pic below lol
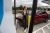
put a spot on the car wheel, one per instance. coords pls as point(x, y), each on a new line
point(45, 20)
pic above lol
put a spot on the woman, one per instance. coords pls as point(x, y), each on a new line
point(25, 13)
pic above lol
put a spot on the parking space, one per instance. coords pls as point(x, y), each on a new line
point(39, 28)
point(45, 28)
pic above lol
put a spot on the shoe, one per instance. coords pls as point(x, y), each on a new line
point(25, 30)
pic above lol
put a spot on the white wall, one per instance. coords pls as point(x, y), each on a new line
point(7, 25)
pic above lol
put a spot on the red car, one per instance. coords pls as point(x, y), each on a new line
point(41, 17)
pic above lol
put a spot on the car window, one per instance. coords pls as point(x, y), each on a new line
point(38, 13)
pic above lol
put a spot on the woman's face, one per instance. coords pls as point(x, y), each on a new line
point(25, 8)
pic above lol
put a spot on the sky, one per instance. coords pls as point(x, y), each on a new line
point(28, 3)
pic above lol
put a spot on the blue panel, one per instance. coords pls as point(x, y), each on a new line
point(1, 11)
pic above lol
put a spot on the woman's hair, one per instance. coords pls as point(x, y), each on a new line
point(24, 7)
